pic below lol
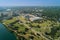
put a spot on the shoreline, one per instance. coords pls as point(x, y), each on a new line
point(9, 29)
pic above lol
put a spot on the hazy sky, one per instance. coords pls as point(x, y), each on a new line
point(29, 2)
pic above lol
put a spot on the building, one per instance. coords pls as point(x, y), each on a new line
point(0, 14)
point(32, 17)
point(35, 18)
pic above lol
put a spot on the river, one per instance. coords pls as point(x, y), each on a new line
point(5, 34)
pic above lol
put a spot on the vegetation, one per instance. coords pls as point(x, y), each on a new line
point(46, 29)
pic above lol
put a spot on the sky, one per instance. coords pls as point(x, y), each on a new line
point(29, 2)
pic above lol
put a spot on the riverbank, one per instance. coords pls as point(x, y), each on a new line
point(10, 30)
point(5, 34)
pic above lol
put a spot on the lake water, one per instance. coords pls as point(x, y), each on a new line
point(5, 34)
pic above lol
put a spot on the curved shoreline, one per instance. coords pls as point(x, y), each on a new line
point(9, 29)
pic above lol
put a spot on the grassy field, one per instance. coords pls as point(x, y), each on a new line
point(26, 30)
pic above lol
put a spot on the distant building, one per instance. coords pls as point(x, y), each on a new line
point(32, 17)
point(0, 14)
point(35, 18)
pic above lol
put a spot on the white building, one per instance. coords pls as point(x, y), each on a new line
point(32, 17)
